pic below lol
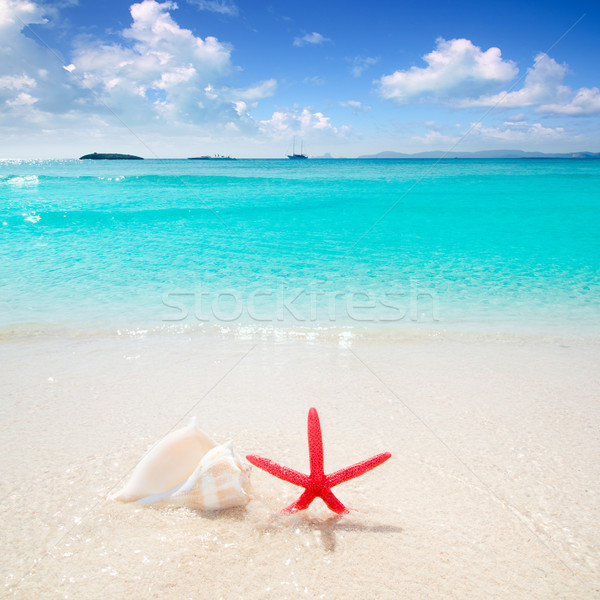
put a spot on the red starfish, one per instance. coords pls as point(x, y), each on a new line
point(317, 483)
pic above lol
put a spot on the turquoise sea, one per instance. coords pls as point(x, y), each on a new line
point(387, 245)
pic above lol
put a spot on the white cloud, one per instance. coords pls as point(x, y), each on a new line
point(242, 99)
point(223, 7)
point(585, 102)
point(355, 105)
point(360, 64)
point(241, 108)
point(518, 117)
point(457, 70)
point(158, 70)
point(543, 83)
point(455, 67)
point(544, 90)
point(508, 134)
point(261, 90)
point(13, 13)
point(28, 68)
point(164, 68)
point(517, 132)
point(17, 82)
point(161, 80)
point(22, 99)
point(286, 123)
point(310, 38)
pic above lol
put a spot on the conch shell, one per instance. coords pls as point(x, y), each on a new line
point(220, 481)
point(186, 469)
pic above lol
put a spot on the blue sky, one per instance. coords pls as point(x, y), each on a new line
point(243, 77)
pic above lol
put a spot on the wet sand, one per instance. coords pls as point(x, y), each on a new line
point(491, 492)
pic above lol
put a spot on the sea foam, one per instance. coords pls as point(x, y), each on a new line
point(21, 181)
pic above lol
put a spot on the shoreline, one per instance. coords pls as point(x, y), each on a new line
point(342, 333)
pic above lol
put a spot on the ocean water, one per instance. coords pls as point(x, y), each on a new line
point(309, 246)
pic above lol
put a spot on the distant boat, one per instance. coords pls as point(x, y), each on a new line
point(295, 156)
point(215, 157)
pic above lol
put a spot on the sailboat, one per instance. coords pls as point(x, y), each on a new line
point(295, 156)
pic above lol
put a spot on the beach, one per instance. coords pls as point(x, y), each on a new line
point(491, 491)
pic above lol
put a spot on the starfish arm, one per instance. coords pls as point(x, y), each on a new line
point(277, 470)
point(315, 444)
point(303, 502)
point(356, 470)
point(333, 503)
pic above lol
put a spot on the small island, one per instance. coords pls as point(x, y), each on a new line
point(101, 156)
point(215, 157)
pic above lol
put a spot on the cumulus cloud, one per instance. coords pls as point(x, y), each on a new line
point(455, 67)
point(17, 82)
point(242, 99)
point(313, 38)
point(161, 80)
point(543, 83)
point(544, 90)
point(158, 70)
point(164, 68)
point(22, 99)
point(585, 102)
point(28, 72)
point(458, 71)
point(14, 14)
point(223, 7)
point(155, 76)
point(285, 123)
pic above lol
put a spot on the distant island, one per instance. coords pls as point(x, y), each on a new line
point(482, 154)
point(101, 156)
point(215, 157)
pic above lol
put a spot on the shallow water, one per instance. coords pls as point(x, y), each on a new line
point(501, 245)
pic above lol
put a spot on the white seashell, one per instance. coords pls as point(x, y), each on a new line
point(219, 481)
point(169, 463)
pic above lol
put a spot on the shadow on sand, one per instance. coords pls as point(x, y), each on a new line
point(327, 528)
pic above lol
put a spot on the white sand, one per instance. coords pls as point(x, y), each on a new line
point(492, 490)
